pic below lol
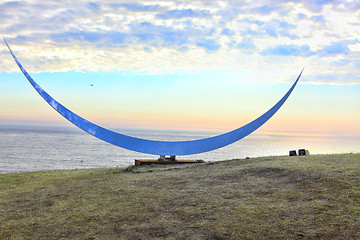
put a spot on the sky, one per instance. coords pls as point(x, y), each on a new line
point(206, 65)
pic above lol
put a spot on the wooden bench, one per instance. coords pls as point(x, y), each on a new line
point(139, 162)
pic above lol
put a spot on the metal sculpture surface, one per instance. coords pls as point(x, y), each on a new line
point(152, 146)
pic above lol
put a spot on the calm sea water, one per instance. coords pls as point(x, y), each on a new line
point(25, 148)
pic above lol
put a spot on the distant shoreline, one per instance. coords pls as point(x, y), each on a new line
point(91, 168)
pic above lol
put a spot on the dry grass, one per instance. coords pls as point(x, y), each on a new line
point(312, 197)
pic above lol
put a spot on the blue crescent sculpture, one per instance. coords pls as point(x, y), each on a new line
point(151, 146)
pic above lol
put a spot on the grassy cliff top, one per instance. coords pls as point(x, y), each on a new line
point(307, 197)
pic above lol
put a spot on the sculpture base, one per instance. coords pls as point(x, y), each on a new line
point(140, 162)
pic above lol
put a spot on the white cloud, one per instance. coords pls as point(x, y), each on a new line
point(163, 36)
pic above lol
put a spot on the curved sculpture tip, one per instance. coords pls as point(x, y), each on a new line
point(151, 146)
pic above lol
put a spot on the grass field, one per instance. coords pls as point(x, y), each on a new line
point(307, 197)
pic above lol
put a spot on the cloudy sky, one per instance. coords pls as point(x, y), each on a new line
point(184, 64)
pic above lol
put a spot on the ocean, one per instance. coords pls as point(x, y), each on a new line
point(35, 148)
